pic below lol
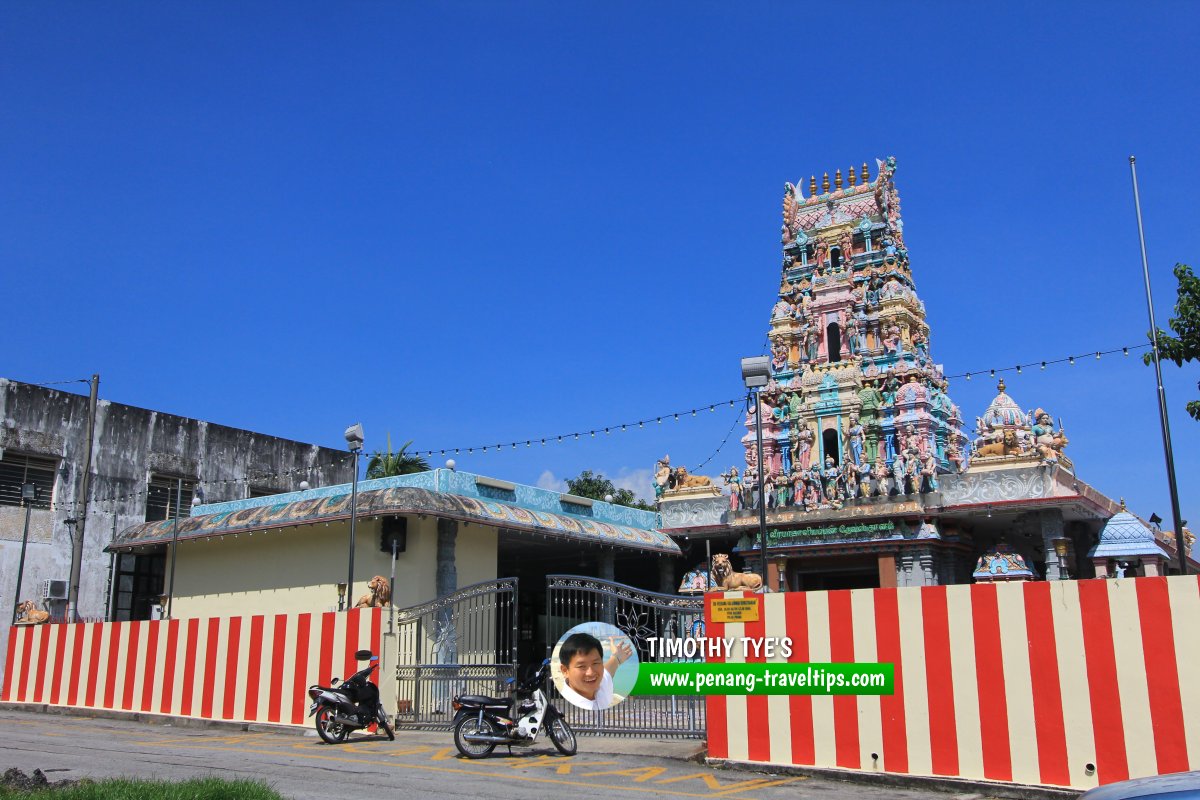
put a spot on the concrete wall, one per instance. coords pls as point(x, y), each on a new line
point(297, 569)
point(1059, 683)
point(129, 445)
point(248, 669)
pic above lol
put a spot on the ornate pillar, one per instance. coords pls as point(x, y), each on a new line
point(1051, 523)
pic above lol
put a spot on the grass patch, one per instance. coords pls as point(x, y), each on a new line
point(132, 789)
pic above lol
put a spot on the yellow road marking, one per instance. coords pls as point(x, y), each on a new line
point(561, 768)
point(760, 783)
point(441, 755)
point(726, 791)
point(644, 773)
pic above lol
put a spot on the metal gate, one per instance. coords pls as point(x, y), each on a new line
point(463, 643)
point(572, 600)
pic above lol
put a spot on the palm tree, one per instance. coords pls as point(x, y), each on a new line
point(385, 465)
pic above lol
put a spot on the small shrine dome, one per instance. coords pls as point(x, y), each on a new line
point(1123, 536)
point(1005, 411)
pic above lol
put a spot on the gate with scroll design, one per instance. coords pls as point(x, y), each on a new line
point(572, 600)
point(464, 643)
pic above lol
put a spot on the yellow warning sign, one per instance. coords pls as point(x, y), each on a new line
point(739, 610)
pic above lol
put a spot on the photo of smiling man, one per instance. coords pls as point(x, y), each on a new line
point(589, 671)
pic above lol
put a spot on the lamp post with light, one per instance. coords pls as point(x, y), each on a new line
point(354, 439)
point(28, 495)
point(756, 373)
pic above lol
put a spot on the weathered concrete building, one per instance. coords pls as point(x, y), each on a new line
point(140, 461)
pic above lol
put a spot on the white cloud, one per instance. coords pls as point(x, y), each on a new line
point(547, 481)
point(638, 481)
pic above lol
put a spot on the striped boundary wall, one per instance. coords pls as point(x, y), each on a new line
point(1060, 683)
point(247, 669)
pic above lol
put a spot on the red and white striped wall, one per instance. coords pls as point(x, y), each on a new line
point(248, 669)
point(1060, 683)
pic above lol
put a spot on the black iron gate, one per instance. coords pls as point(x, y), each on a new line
point(463, 643)
point(572, 600)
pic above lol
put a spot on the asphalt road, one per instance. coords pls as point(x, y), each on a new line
point(421, 764)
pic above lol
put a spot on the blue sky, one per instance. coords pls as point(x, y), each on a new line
point(473, 223)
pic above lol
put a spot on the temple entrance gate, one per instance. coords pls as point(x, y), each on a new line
point(572, 600)
point(464, 643)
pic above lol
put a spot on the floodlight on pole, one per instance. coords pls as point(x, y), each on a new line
point(756, 373)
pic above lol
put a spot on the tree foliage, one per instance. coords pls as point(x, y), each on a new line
point(386, 465)
point(596, 486)
point(1185, 345)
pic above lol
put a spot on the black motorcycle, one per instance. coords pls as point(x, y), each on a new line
point(481, 722)
point(352, 705)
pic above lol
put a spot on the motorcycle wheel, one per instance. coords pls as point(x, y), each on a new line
point(562, 736)
point(470, 726)
point(332, 732)
point(381, 717)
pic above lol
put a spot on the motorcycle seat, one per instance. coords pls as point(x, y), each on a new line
point(485, 701)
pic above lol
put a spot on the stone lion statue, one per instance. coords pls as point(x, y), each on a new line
point(685, 481)
point(30, 614)
point(1008, 446)
point(380, 594)
point(728, 580)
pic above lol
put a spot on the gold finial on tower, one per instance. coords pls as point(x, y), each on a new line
point(1001, 385)
point(865, 179)
point(1123, 504)
point(853, 179)
point(837, 179)
point(812, 185)
point(825, 183)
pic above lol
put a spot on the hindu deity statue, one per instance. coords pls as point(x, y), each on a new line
point(735, 488)
point(856, 436)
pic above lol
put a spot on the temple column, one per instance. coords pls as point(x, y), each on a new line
point(446, 580)
point(1051, 523)
point(916, 568)
point(887, 571)
point(666, 576)
point(607, 564)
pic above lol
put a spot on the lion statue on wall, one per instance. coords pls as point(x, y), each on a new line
point(379, 596)
point(727, 580)
point(30, 614)
point(1008, 446)
point(685, 481)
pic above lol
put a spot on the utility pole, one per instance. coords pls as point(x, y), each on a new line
point(81, 503)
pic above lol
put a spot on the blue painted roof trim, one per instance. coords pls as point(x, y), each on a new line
point(461, 483)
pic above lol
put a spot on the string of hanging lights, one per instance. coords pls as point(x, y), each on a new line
point(607, 430)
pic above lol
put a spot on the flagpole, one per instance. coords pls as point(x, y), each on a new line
point(1180, 544)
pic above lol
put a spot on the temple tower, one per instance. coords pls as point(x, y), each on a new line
point(854, 384)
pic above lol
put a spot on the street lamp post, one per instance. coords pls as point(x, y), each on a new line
point(756, 373)
point(354, 439)
point(1164, 424)
point(28, 495)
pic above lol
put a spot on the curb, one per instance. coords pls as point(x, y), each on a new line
point(147, 718)
point(1015, 791)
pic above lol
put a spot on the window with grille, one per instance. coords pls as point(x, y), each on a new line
point(161, 502)
point(17, 470)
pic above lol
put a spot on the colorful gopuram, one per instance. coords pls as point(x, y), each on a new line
point(856, 406)
point(868, 477)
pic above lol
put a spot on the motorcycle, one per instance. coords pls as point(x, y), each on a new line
point(482, 722)
point(352, 705)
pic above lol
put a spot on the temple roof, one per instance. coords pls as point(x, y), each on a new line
point(387, 497)
point(1005, 411)
point(1126, 535)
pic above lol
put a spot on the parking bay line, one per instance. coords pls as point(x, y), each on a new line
point(657, 787)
